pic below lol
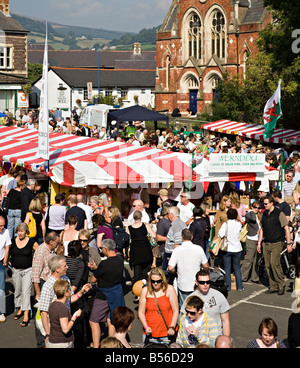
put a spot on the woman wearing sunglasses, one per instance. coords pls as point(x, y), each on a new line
point(158, 308)
point(248, 266)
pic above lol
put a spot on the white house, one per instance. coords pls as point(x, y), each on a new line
point(68, 85)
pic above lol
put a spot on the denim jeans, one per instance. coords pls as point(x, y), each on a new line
point(235, 258)
point(13, 220)
point(2, 289)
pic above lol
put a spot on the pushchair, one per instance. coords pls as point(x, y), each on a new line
point(287, 263)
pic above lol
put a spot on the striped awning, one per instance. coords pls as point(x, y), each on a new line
point(81, 161)
point(251, 131)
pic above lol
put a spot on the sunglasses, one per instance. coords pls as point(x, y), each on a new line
point(256, 207)
point(156, 281)
point(203, 282)
point(83, 240)
point(189, 312)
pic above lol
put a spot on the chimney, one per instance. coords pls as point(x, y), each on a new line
point(4, 6)
point(137, 48)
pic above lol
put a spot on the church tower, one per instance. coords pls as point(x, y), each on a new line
point(198, 42)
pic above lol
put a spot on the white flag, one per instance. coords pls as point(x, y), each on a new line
point(43, 146)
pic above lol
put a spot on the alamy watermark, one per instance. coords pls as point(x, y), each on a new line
point(296, 43)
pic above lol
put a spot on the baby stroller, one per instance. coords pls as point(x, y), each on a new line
point(217, 280)
point(289, 260)
point(289, 269)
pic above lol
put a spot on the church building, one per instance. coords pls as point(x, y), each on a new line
point(198, 42)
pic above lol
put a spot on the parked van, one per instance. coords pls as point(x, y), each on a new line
point(95, 114)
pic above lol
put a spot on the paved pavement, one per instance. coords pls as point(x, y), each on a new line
point(248, 308)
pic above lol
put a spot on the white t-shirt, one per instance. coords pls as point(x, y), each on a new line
point(89, 214)
point(188, 258)
point(215, 304)
point(5, 241)
point(186, 211)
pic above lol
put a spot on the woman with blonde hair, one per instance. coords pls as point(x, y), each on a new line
point(114, 216)
point(158, 308)
point(236, 203)
point(35, 208)
point(296, 194)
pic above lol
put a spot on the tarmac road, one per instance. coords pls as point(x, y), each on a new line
point(248, 308)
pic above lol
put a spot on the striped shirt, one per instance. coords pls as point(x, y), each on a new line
point(48, 296)
point(207, 332)
point(287, 188)
point(40, 267)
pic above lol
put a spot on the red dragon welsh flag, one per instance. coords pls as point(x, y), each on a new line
point(272, 112)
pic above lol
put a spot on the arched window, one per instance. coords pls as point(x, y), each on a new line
point(195, 36)
point(218, 34)
point(168, 61)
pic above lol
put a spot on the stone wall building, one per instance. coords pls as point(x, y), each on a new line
point(198, 42)
point(13, 59)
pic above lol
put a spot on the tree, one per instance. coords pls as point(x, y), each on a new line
point(244, 100)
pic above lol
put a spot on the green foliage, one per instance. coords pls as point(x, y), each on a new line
point(144, 36)
point(243, 100)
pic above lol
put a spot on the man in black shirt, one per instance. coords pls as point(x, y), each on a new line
point(274, 230)
point(109, 294)
point(76, 211)
point(281, 204)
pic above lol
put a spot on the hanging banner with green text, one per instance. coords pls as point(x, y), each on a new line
point(237, 162)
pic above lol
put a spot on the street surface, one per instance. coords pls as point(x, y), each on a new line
point(248, 308)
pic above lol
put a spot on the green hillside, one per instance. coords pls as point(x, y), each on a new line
point(65, 37)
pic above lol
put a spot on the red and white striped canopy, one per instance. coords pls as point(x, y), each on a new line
point(251, 131)
point(80, 161)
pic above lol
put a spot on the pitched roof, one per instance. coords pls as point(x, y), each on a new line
point(9, 24)
point(255, 12)
point(109, 78)
point(89, 58)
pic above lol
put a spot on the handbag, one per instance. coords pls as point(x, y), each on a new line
point(172, 338)
point(4, 204)
point(155, 248)
point(243, 233)
point(218, 243)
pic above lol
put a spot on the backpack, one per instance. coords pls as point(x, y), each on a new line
point(31, 226)
point(120, 236)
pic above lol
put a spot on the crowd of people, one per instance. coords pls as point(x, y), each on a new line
point(72, 256)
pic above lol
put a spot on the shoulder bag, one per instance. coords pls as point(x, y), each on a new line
point(243, 233)
point(218, 243)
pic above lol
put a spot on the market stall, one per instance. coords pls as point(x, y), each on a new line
point(251, 131)
point(108, 162)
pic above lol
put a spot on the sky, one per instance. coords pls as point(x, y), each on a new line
point(114, 15)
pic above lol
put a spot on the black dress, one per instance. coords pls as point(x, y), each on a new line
point(141, 256)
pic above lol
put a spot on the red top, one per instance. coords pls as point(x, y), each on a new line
point(154, 318)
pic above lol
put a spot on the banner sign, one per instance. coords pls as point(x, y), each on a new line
point(237, 162)
point(23, 101)
point(90, 90)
